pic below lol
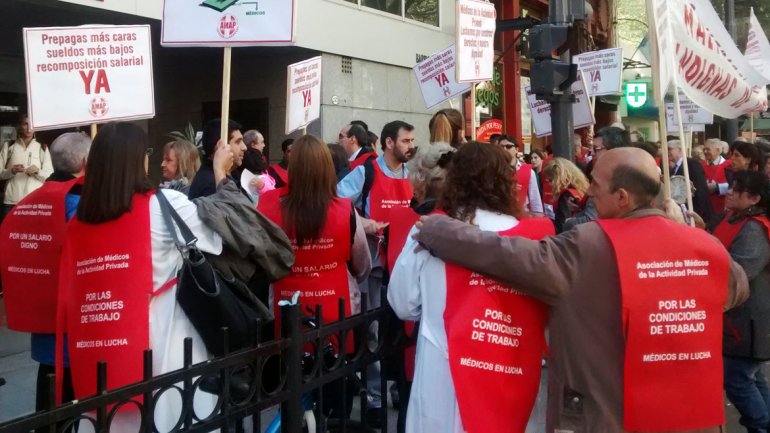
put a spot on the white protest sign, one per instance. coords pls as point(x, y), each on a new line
point(603, 70)
point(221, 23)
point(88, 74)
point(476, 23)
point(303, 93)
point(436, 77)
point(582, 114)
point(692, 114)
point(673, 127)
point(758, 47)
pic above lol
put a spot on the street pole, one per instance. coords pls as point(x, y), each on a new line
point(562, 122)
point(731, 125)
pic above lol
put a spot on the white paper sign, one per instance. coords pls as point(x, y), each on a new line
point(582, 115)
point(222, 23)
point(476, 23)
point(603, 71)
point(88, 74)
point(303, 94)
point(436, 77)
point(758, 47)
point(673, 128)
point(691, 113)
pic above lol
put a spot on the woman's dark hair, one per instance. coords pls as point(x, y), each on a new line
point(115, 172)
point(751, 152)
point(479, 177)
point(312, 185)
point(754, 183)
point(339, 158)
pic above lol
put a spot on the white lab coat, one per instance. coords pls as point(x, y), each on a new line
point(417, 291)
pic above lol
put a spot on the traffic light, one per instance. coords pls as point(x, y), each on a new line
point(549, 76)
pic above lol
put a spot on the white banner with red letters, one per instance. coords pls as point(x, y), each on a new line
point(221, 23)
point(757, 47)
point(701, 57)
point(88, 74)
point(436, 77)
point(303, 94)
point(476, 24)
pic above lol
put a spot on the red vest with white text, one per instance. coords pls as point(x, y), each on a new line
point(320, 267)
point(105, 290)
point(495, 336)
point(387, 193)
point(31, 239)
point(522, 176)
point(716, 173)
point(673, 286)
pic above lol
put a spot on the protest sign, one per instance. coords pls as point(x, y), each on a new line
point(602, 69)
point(475, 41)
point(692, 114)
point(436, 77)
point(221, 23)
point(89, 74)
point(696, 51)
point(303, 93)
point(582, 113)
point(757, 47)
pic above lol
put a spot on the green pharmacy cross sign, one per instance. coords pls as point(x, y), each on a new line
point(636, 94)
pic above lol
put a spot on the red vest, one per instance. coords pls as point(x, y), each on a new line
point(387, 193)
point(105, 290)
point(31, 239)
point(674, 286)
point(361, 159)
point(320, 267)
point(726, 232)
point(496, 341)
point(716, 173)
point(522, 181)
point(282, 173)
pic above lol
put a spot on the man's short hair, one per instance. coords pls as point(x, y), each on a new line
point(251, 136)
point(510, 138)
point(643, 188)
point(360, 133)
point(68, 152)
point(212, 131)
point(360, 123)
point(675, 144)
point(390, 130)
point(614, 137)
point(495, 138)
point(286, 143)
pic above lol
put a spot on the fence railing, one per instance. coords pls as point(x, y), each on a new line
point(245, 382)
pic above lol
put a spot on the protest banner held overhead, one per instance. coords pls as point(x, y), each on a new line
point(222, 23)
point(88, 74)
point(436, 78)
point(757, 47)
point(541, 110)
point(303, 93)
point(602, 70)
point(476, 23)
point(697, 52)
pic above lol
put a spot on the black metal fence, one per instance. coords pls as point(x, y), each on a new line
point(245, 383)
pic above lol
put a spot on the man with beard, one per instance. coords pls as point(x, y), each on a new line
point(203, 184)
point(375, 187)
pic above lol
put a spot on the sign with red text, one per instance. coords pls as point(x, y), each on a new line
point(691, 113)
point(697, 52)
point(582, 114)
point(475, 41)
point(488, 129)
point(603, 70)
point(436, 77)
point(221, 23)
point(303, 94)
point(89, 74)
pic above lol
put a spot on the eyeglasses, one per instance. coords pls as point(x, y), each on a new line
point(149, 151)
point(508, 146)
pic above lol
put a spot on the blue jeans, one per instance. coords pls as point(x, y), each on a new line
point(746, 387)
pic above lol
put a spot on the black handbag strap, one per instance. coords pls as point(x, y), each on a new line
point(170, 213)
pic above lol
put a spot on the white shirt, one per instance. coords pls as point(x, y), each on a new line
point(21, 184)
point(417, 291)
point(355, 154)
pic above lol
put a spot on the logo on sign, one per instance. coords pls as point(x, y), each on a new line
point(228, 26)
point(98, 107)
point(636, 94)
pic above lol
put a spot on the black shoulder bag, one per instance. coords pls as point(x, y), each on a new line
point(209, 300)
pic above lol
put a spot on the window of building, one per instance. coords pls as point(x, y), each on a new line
point(424, 11)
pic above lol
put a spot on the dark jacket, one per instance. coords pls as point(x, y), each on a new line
point(204, 183)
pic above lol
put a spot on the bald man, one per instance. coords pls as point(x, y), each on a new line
point(636, 305)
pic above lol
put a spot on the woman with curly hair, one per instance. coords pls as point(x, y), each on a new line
point(569, 185)
point(486, 337)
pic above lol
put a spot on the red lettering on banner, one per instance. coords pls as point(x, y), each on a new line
point(101, 81)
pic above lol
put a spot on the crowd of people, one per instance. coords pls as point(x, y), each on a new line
point(480, 250)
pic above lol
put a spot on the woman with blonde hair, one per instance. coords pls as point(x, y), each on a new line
point(447, 126)
point(569, 186)
point(181, 162)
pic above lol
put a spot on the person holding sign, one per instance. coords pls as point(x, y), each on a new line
point(485, 335)
point(117, 297)
point(636, 319)
point(204, 183)
point(25, 164)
